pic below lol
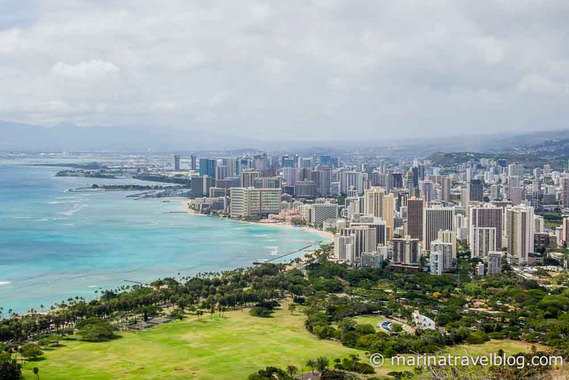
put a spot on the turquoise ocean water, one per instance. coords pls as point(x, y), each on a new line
point(56, 244)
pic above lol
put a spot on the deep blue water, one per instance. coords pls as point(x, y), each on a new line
point(56, 244)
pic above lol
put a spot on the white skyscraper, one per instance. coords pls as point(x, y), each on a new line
point(250, 202)
point(436, 262)
point(351, 179)
point(483, 241)
point(519, 231)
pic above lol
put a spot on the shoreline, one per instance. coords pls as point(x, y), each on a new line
point(325, 234)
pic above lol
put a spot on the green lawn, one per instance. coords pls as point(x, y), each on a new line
point(230, 347)
point(370, 320)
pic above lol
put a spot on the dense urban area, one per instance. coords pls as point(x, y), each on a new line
point(423, 256)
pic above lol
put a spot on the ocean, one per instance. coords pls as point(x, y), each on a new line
point(56, 244)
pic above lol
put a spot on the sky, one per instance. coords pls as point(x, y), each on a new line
point(294, 69)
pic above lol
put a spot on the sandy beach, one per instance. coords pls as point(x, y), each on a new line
point(328, 236)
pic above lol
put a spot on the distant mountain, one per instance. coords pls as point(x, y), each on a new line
point(25, 137)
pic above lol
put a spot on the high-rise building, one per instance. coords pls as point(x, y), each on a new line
point(564, 182)
point(343, 248)
point(515, 170)
point(193, 162)
point(177, 162)
point(323, 211)
point(519, 231)
point(200, 185)
point(406, 251)
point(436, 262)
point(445, 189)
point(436, 219)
point(267, 182)
point(494, 263)
point(379, 204)
point(248, 176)
point(483, 241)
point(446, 251)
point(305, 189)
point(322, 177)
point(373, 201)
point(354, 206)
point(475, 190)
point(488, 217)
point(565, 232)
point(221, 171)
point(427, 190)
point(378, 224)
point(255, 203)
point(290, 175)
point(207, 167)
point(415, 218)
point(496, 193)
point(350, 179)
point(449, 237)
point(364, 240)
point(480, 269)
point(395, 181)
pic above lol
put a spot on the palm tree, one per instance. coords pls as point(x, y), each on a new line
point(292, 370)
point(311, 364)
point(292, 307)
point(37, 372)
point(322, 363)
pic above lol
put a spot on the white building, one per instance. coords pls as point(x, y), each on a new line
point(323, 211)
point(445, 249)
point(436, 261)
point(494, 263)
point(422, 322)
point(520, 232)
point(483, 241)
point(251, 202)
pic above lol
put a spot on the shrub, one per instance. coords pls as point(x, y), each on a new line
point(259, 311)
point(31, 351)
point(95, 330)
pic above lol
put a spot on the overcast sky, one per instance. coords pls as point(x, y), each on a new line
point(326, 69)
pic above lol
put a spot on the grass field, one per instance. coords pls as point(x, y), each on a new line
point(230, 347)
point(370, 320)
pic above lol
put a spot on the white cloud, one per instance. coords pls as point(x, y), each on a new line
point(539, 84)
point(308, 67)
point(92, 70)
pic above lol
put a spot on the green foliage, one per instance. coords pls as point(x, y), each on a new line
point(95, 330)
point(477, 337)
point(270, 373)
point(31, 351)
point(9, 369)
point(259, 311)
point(353, 364)
point(177, 314)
